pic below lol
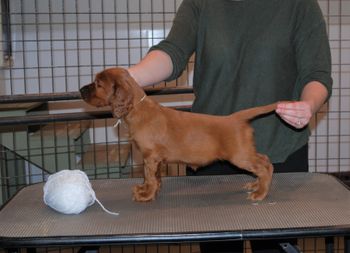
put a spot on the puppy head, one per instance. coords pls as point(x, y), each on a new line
point(111, 87)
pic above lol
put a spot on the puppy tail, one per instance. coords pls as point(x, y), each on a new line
point(251, 113)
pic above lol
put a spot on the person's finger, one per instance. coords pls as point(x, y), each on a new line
point(300, 110)
point(294, 121)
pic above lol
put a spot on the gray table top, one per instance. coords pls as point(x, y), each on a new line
point(187, 209)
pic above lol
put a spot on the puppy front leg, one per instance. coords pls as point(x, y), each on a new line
point(152, 181)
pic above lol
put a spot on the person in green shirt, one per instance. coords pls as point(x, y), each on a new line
point(250, 53)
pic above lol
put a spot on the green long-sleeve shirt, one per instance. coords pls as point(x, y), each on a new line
point(249, 53)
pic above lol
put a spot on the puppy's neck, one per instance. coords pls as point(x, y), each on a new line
point(140, 102)
point(140, 110)
point(134, 105)
point(138, 93)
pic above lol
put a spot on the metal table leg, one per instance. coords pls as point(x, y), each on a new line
point(289, 248)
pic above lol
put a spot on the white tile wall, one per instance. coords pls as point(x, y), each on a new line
point(59, 45)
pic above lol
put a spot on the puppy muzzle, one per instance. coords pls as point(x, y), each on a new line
point(85, 91)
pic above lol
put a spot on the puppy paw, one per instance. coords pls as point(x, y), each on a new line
point(252, 186)
point(257, 195)
point(143, 193)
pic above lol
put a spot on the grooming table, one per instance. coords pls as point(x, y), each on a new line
point(187, 209)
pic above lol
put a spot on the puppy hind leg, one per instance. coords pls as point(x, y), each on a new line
point(263, 169)
point(159, 177)
point(260, 166)
point(253, 186)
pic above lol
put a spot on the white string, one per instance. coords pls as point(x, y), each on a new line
point(88, 184)
point(117, 123)
point(105, 209)
point(143, 98)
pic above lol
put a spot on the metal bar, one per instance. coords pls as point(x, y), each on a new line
point(346, 244)
point(45, 97)
point(5, 9)
point(44, 119)
point(168, 91)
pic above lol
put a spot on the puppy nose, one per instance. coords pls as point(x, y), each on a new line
point(84, 91)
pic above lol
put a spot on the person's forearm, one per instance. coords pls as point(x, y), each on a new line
point(155, 67)
point(315, 94)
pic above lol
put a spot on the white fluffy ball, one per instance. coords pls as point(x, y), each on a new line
point(69, 192)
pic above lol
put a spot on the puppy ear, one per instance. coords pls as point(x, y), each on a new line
point(123, 97)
